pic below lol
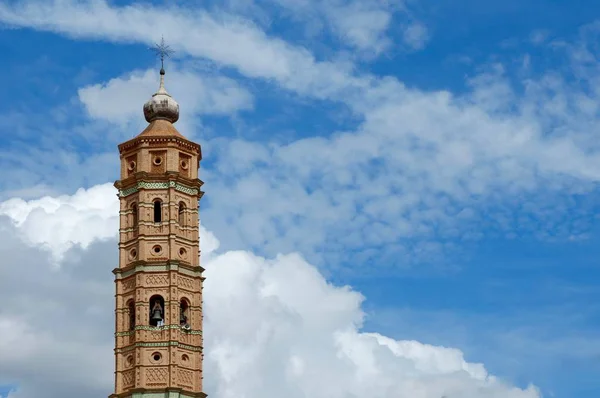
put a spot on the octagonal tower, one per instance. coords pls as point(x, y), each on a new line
point(158, 337)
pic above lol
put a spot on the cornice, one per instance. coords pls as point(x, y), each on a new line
point(184, 143)
point(170, 392)
point(126, 244)
point(187, 186)
point(170, 343)
point(123, 310)
point(153, 177)
point(157, 328)
point(142, 266)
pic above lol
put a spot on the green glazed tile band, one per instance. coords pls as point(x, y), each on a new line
point(159, 344)
point(157, 185)
point(154, 328)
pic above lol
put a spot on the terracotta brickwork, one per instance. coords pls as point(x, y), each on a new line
point(158, 328)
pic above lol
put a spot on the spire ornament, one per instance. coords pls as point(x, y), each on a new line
point(161, 105)
point(162, 50)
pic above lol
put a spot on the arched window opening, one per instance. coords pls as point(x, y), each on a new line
point(134, 212)
point(157, 210)
point(157, 311)
point(131, 307)
point(184, 312)
point(181, 214)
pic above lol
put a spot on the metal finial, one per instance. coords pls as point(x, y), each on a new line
point(162, 50)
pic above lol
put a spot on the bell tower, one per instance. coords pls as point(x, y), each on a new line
point(158, 337)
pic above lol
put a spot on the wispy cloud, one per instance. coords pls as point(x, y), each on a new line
point(364, 26)
point(119, 99)
point(415, 176)
point(225, 39)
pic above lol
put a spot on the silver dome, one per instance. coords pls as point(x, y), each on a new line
point(161, 105)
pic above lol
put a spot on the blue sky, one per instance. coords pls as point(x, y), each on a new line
point(441, 159)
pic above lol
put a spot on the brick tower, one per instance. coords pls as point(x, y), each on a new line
point(158, 339)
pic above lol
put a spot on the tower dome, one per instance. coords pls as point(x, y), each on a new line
point(161, 106)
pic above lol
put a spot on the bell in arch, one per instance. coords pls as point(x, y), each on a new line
point(157, 313)
point(183, 309)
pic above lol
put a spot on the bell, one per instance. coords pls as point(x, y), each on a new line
point(156, 316)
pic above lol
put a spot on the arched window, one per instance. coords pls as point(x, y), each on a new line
point(157, 210)
point(157, 310)
point(131, 308)
point(184, 312)
point(181, 213)
point(134, 212)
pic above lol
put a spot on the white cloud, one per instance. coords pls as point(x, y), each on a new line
point(421, 168)
point(54, 166)
point(224, 39)
point(318, 352)
point(360, 24)
point(538, 37)
point(115, 114)
point(121, 99)
point(416, 35)
point(411, 175)
point(363, 25)
point(295, 334)
point(420, 164)
point(60, 223)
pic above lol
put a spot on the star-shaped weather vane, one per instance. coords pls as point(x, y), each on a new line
point(162, 50)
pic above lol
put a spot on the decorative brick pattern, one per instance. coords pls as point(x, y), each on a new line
point(157, 280)
point(185, 378)
point(156, 377)
point(156, 335)
point(185, 337)
point(186, 283)
point(185, 163)
point(131, 164)
point(158, 156)
point(128, 378)
point(128, 285)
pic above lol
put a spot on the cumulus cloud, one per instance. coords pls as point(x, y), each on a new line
point(57, 321)
point(60, 223)
point(321, 352)
point(295, 334)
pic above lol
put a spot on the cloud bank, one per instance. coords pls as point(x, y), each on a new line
point(295, 334)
